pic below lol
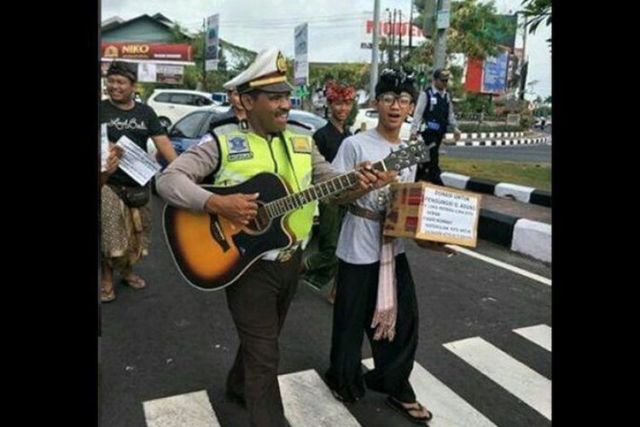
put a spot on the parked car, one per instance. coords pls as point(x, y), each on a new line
point(220, 98)
point(310, 119)
point(367, 118)
point(173, 104)
point(296, 102)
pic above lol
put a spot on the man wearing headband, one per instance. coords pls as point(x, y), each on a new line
point(320, 267)
point(434, 108)
point(375, 290)
point(126, 229)
point(260, 298)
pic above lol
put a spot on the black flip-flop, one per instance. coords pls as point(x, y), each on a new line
point(395, 404)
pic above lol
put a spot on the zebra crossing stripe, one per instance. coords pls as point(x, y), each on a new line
point(306, 397)
point(449, 409)
point(518, 379)
point(501, 264)
point(539, 334)
point(189, 409)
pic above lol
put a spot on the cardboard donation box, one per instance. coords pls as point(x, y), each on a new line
point(431, 212)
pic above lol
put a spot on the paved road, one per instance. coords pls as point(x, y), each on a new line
point(166, 349)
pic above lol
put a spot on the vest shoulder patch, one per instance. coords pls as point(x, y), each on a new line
point(301, 144)
point(238, 148)
point(238, 144)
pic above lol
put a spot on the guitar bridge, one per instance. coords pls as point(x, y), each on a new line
point(217, 234)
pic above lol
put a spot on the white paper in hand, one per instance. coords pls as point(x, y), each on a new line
point(136, 162)
point(104, 147)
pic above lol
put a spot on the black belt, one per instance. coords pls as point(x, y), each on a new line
point(365, 213)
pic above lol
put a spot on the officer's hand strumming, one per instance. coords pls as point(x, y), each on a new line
point(239, 208)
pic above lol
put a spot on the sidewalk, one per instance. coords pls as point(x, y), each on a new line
point(497, 139)
point(522, 227)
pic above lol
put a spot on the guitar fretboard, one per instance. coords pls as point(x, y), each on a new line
point(319, 191)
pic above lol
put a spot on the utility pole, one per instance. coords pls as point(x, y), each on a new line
point(393, 37)
point(411, 27)
point(374, 51)
point(389, 45)
point(440, 48)
point(525, 65)
point(400, 38)
point(204, 55)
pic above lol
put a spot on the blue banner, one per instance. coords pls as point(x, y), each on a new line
point(494, 73)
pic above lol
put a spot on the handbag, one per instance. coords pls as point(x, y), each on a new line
point(134, 197)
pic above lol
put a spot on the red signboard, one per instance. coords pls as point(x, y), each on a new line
point(473, 79)
point(156, 51)
point(388, 29)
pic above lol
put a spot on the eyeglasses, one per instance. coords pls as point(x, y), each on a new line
point(389, 98)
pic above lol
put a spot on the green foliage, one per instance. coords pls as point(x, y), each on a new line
point(475, 103)
point(542, 112)
point(475, 28)
point(537, 11)
point(355, 74)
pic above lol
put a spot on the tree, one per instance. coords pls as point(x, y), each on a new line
point(474, 31)
point(535, 11)
point(355, 74)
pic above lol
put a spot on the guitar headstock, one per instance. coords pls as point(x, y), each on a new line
point(407, 156)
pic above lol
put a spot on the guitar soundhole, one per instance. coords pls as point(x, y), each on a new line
point(260, 223)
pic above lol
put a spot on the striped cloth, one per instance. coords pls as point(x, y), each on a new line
point(384, 318)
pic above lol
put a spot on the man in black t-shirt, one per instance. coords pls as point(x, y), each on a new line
point(320, 267)
point(125, 228)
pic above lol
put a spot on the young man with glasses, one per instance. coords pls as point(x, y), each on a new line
point(375, 290)
point(434, 108)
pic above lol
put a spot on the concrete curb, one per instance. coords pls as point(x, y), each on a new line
point(499, 142)
point(520, 193)
point(531, 238)
point(481, 135)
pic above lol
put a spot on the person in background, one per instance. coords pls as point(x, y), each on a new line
point(125, 210)
point(319, 268)
point(435, 110)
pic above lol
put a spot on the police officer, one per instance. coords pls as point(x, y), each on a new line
point(260, 298)
point(435, 110)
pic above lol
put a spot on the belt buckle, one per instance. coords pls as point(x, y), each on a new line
point(285, 255)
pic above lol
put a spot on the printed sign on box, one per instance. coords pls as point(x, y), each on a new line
point(431, 212)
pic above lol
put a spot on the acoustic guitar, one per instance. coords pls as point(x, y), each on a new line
point(212, 252)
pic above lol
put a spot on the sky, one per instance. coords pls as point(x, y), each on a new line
point(335, 26)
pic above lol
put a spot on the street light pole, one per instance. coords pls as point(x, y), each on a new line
point(373, 79)
point(524, 67)
point(393, 37)
point(400, 38)
point(204, 54)
point(410, 27)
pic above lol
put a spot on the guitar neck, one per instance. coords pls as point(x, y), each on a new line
point(319, 191)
